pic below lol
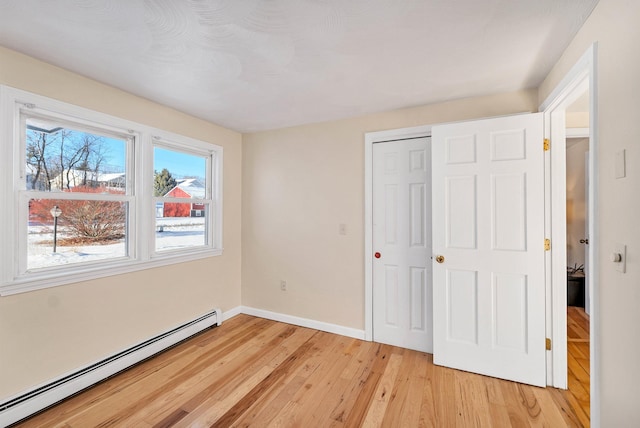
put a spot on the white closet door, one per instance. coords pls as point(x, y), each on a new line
point(402, 244)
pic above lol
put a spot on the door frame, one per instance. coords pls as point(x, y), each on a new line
point(370, 139)
point(582, 76)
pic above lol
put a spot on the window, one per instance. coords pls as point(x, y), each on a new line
point(178, 176)
point(76, 194)
point(81, 186)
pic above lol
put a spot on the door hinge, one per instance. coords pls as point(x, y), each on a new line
point(547, 244)
point(546, 144)
point(547, 344)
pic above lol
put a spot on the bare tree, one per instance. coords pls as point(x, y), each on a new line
point(96, 220)
point(62, 155)
point(86, 221)
point(92, 156)
point(37, 144)
point(72, 152)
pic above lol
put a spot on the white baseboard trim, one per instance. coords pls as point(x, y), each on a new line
point(305, 322)
point(226, 315)
point(26, 404)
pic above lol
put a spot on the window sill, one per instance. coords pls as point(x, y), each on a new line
point(83, 273)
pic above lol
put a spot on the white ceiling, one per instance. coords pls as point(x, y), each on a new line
point(252, 65)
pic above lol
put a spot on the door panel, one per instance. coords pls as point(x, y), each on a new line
point(417, 231)
point(488, 224)
point(402, 294)
point(508, 215)
point(461, 212)
point(418, 299)
point(391, 214)
point(391, 295)
point(462, 296)
point(509, 311)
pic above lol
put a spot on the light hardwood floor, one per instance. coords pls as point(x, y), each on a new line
point(256, 372)
point(578, 362)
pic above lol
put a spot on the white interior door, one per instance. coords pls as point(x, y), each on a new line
point(402, 291)
point(488, 241)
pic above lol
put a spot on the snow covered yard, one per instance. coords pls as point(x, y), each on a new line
point(177, 232)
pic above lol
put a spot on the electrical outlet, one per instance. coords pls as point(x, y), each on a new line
point(283, 285)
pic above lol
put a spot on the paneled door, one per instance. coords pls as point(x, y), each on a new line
point(488, 247)
point(402, 314)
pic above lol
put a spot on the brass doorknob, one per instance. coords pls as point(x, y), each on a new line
point(440, 259)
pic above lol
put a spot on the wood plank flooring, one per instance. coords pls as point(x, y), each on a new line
point(261, 373)
point(578, 362)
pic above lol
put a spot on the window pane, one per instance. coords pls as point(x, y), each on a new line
point(178, 174)
point(180, 225)
point(85, 231)
point(60, 158)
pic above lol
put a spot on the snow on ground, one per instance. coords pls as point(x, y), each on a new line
point(176, 233)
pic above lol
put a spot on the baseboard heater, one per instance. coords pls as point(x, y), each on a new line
point(20, 407)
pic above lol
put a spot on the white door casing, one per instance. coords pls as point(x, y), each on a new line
point(401, 219)
point(488, 224)
point(587, 297)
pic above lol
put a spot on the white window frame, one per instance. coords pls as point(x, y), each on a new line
point(139, 173)
point(210, 198)
point(23, 195)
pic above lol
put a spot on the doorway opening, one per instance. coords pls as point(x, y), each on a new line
point(578, 297)
point(578, 88)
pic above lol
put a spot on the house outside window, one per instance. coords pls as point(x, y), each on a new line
point(182, 189)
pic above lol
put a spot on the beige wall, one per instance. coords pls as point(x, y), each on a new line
point(614, 25)
point(44, 334)
point(577, 120)
point(300, 184)
point(576, 200)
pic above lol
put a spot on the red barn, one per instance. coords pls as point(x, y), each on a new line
point(186, 188)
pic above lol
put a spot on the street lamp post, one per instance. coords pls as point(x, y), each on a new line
point(55, 212)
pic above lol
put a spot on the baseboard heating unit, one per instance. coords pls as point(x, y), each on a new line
point(43, 396)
